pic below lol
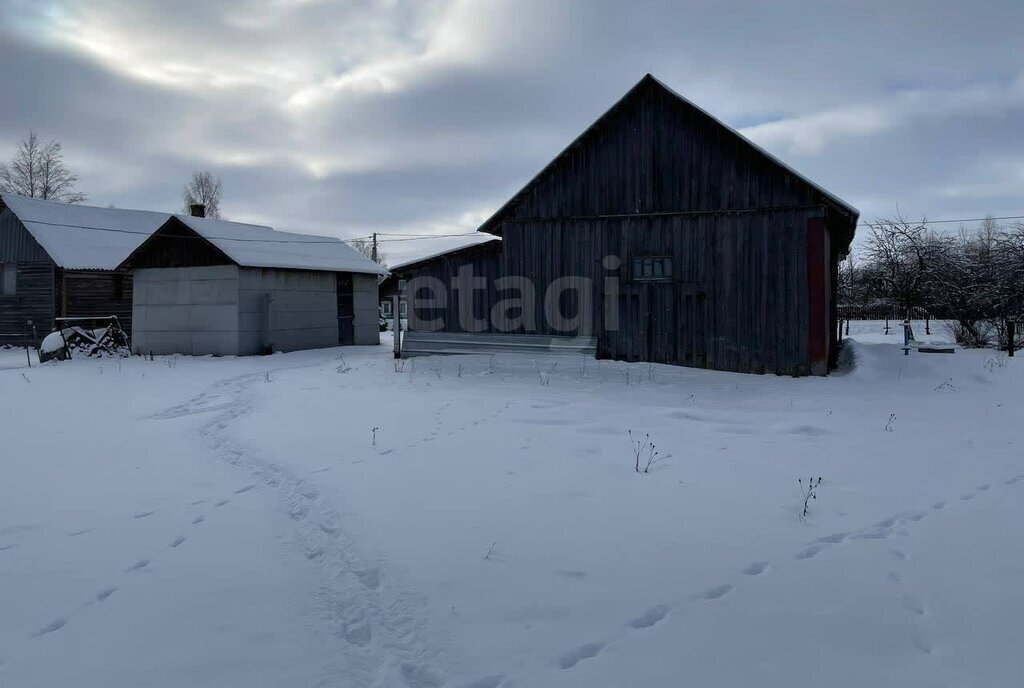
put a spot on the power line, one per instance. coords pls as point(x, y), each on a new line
point(203, 236)
point(417, 237)
point(939, 222)
point(404, 238)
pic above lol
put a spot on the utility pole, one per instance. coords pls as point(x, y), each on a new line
point(374, 250)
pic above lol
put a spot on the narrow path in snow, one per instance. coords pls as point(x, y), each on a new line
point(380, 627)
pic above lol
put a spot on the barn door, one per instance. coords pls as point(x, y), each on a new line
point(346, 310)
point(663, 331)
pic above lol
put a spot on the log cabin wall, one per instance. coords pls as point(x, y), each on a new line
point(34, 288)
point(96, 293)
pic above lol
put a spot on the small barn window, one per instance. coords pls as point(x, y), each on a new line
point(385, 308)
point(401, 285)
point(8, 279)
point(403, 309)
point(652, 268)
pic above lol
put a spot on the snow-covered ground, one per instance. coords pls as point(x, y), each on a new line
point(327, 518)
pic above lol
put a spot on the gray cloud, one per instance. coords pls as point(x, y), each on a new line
point(359, 116)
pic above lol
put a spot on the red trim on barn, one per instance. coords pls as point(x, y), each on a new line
point(817, 282)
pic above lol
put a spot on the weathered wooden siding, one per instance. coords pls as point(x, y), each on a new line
point(33, 299)
point(654, 153)
point(443, 271)
point(176, 246)
point(16, 244)
point(737, 300)
point(95, 294)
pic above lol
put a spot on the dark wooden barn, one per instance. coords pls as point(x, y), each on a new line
point(484, 257)
point(61, 260)
point(696, 247)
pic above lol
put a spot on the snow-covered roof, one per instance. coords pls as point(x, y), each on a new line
point(259, 246)
point(84, 237)
point(437, 254)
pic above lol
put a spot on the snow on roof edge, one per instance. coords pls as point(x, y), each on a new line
point(247, 244)
point(438, 254)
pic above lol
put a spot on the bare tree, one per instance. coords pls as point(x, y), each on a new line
point(365, 246)
point(975, 280)
point(963, 284)
point(38, 171)
point(900, 257)
point(204, 189)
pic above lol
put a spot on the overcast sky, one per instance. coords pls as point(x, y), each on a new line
point(347, 117)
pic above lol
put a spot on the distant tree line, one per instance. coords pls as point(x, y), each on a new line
point(974, 279)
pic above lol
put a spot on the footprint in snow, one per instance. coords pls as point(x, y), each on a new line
point(833, 539)
point(369, 577)
point(983, 488)
point(808, 552)
point(573, 657)
point(576, 575)
point(756, 568)
point(1014, 480)
point(76, 533)
point(419, 676)
point(717, 592)
point(222, 502)
point(968, 496)
point(177, 541)
point(650, 617)
point(246, 488)
point(54, 625)
point(105, 593)
point(938, 506)
point(876, 534)
point(6, 547)
point(144, 514)
point(358, 633)
point(197, 520)
point(137, 566)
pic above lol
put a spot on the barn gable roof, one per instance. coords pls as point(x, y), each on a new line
point(83, 237)
point(260, 246)
point(493, 224)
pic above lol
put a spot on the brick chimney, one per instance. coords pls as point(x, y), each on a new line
point(197, 210)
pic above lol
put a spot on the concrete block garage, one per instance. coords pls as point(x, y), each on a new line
point(205, 286)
